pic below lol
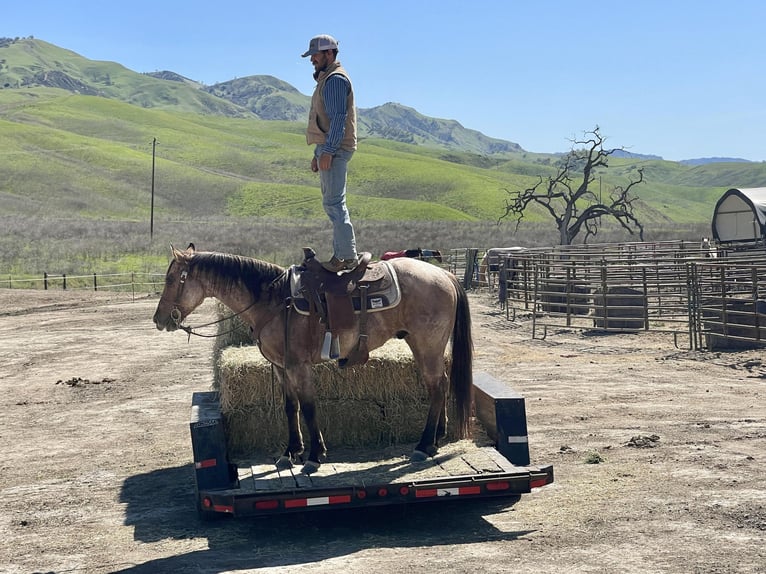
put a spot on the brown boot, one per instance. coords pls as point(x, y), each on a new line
point(335, 265)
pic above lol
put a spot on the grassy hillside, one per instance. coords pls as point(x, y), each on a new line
point(88, 156)
point(29, 62)
point(91, 156)
point(76, 172)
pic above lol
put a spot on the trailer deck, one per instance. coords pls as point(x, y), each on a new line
point(492, 464)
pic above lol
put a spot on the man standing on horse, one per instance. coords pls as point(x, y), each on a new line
point(332, 130)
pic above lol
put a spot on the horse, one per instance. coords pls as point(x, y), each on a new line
point(708, 248)
point(433, 310)
point(490, 263)
point(418, 253)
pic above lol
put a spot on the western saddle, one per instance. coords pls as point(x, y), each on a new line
point(338, 297)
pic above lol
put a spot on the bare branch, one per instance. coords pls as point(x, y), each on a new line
point(572, 205)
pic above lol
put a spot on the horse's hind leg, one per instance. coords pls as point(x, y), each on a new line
point(436, 421)
point(317, 449)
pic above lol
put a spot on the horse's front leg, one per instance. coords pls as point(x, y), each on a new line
point(299, 384)
point(292, 412)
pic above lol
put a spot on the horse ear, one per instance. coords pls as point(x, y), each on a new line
point(177, 254)
point(191, 248)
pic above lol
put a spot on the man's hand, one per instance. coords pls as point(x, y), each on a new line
point(314, 165)
point(325, 161)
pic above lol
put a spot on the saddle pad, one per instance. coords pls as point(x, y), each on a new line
point(378, 298)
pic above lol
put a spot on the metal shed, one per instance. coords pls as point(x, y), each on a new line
point(740, 215)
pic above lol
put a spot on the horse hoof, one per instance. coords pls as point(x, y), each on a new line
point(418, 456)
point(284, 463)
point(310, 467)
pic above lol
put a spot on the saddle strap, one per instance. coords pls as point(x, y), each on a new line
point(288, 314)
point(361, 353)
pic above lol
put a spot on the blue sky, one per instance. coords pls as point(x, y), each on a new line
point(681, 79)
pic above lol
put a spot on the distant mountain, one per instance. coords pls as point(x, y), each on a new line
point(173, 77)
point(266, 96)
point(272, 99)
point(27, 63)
point(707, 160)
point(400, 123)
point(631, 155)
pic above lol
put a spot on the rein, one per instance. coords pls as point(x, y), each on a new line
point(192, 330)
point(175, 314)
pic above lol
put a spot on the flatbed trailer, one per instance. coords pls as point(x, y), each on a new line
point(494, 464)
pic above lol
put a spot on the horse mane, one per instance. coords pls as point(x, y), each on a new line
point(225, 271)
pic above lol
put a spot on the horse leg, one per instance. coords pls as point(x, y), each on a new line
point(298, 379)
point(292, 413)
point(318, 450)
point(436, 421)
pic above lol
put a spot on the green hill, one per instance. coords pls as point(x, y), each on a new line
point(91, 156)
point(79, 139)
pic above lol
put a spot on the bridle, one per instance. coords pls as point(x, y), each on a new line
point(175, 314)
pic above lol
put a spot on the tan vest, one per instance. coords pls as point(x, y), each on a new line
point(319, 121)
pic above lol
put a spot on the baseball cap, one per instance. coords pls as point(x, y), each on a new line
point(319, 44)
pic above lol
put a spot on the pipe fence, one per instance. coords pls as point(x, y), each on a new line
point(713, 296)
point(133, 282)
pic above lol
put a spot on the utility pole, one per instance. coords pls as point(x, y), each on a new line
point(151, 216)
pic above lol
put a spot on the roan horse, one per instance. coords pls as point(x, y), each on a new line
point(433, 310)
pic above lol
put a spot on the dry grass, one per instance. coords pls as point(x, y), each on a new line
point(379, 404)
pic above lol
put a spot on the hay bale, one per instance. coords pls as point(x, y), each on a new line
point(232, 332)
point(378, 404)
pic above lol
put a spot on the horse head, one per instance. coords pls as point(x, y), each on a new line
point(182, 292)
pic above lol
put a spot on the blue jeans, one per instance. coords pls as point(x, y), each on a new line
point(333, 184)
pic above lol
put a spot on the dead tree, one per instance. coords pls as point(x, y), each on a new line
point(568, 197)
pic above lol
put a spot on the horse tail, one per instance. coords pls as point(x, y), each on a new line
point(461, 371)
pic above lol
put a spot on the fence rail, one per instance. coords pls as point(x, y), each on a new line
point(714, 296)
point(135, 282)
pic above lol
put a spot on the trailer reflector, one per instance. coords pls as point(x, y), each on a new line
point(266, 504)
point(500, 485)
point(537, 483)
point(459, 491)
point(518, 440)
point(208, 504)
point(207, 463)
point(317, 501)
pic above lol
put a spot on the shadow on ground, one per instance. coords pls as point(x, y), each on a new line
point(161, 506)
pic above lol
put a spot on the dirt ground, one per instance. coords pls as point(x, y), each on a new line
point(659, 456)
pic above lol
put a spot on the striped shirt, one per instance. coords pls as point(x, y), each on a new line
point(335, 95)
